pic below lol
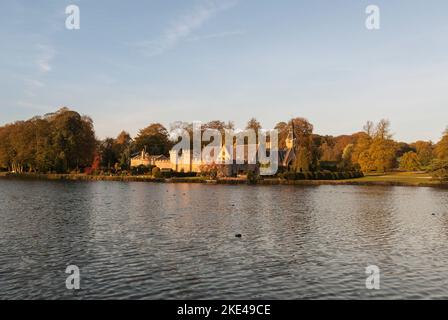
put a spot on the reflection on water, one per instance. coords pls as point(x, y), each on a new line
point(177, 241)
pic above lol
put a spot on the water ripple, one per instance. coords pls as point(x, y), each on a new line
point(163, 241)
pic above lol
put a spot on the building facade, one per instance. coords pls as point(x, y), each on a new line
point(229, 162)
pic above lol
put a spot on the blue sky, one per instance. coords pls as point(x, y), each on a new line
point(136, 62)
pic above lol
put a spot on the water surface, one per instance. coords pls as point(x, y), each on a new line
point(177, 241)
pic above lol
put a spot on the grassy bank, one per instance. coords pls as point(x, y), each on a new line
point(77, 177)
point(84, 177)
point(414, 179)
point(388, 179)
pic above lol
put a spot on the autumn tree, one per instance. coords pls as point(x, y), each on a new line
point(327, 150)
point(403, 147)
point(441, 148)
point(409, 161)
point(361, 154)
point(253, 124)
point(59, 141)
point(109, 156)
point(5, 148)
point(347, 156)
point(425, 152)
point(283, 131)
point(439, 169)
point(375, 149)
point(303, 131)
point(154, 138)
point(115, 153)
point(123, 145)
point(219, 125)
point(73, 140)
point(383, 154)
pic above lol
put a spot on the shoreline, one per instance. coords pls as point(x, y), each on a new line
point(225, 181)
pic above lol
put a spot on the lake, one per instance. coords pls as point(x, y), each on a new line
point(177, 241)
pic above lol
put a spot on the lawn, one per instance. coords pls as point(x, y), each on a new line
point(402, 177)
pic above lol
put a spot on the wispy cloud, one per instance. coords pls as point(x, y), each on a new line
point(214, 35)
point(33, 83)
point(31, 105)
point(45, 57)
point(31, 86)
point(184, 26)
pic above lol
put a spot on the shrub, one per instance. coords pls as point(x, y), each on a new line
point(156, 172)
point(252, 177)
point(319, 175)
point(183, 174)
point(300, 176)
point(291, 175)
point(167, 174)
point(308, 175)
point(327, 175)
point(439, 170)
point(142, 169)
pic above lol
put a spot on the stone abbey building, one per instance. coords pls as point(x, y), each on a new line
point(184, 161)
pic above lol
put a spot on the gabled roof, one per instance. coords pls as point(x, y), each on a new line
point(139, 156)
point(160, 157)
point(147, 156)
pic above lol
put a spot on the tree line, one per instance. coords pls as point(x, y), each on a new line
point(65, 141)
point(59, 142)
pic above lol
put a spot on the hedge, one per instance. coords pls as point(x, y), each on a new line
point(321, 175)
